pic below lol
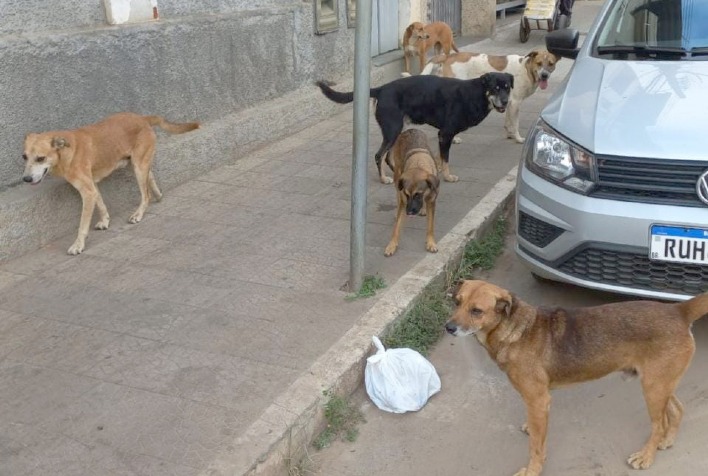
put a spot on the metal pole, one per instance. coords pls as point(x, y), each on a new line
point(362, 62)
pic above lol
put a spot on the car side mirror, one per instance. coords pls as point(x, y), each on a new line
point(563, 42)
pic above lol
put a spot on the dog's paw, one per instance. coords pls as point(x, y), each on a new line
point(390, 249)
point(432, 247)
point(519, 139)
point(135, 218)
point(527, 472)
point(386, 180)
point(76, 248)
point(451, 178)
point(525, 428)
point(456, 140)
point(667, 442)
point(102, 225)
point(641, 459)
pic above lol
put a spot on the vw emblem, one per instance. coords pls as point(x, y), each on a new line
point(702, 187)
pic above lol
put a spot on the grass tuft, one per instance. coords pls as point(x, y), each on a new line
point(369, 286)
point(482, 254)
point(422, 326)
point(342, 420)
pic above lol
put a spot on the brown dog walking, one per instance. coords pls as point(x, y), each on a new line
point(87, 155)
point(544, 348)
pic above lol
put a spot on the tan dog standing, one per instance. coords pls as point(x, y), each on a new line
point(416, 178)
point(544, 348)
point(419, 38)
point(87, 155)
point(530, 73)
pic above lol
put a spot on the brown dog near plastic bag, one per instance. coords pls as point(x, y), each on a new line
point(544, 348)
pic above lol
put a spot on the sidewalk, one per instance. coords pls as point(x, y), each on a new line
point(184, 344)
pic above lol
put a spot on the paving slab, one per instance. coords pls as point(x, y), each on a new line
point(200, 340)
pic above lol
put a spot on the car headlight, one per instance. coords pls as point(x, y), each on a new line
point(555, 158)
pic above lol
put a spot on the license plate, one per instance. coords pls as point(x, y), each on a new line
point(678, 244)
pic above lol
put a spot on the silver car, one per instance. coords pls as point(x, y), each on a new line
point(613, 185)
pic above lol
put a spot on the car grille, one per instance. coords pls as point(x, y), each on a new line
point(536, 231)
point(671, 182)
point(636, 270)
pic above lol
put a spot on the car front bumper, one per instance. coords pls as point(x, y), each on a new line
point(601, 244)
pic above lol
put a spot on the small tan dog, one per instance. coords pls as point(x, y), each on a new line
point(544, 348)
point(87, 155)
point(531, 72)
point(419, 38)
point(416, 178)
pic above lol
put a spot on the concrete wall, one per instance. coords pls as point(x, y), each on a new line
point(244, 68)
point(478, 17)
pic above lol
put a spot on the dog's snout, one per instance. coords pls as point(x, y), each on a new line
point(450, 327)
point(27, 178)
point(545, 75)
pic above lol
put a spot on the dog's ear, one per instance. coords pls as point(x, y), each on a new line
point(506, 304)
point(402, 184)
point(486, 80)
point(59, 143)
point(433, 183)
point(456, 290)
point(532, 54)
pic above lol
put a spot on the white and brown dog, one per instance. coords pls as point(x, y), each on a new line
point(530, 73)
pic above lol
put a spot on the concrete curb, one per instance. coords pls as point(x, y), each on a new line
point(283, 432)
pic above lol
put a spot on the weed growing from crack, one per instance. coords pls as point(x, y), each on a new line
point(369, 286)
point(342, 420)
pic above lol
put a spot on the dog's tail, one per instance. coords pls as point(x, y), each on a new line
point(336, 96)
point(454, 47)
point(171, 127)
point(342, 98)
point(435, 65)
point(695, 308)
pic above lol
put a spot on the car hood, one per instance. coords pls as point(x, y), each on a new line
point(634, 108)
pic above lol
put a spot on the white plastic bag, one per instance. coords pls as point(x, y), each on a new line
point(399, 380)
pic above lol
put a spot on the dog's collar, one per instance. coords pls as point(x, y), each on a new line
point(415, 151)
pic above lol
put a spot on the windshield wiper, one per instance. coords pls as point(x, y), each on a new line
point(641, 50)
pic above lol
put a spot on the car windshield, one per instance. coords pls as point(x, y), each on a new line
point(663, 29)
